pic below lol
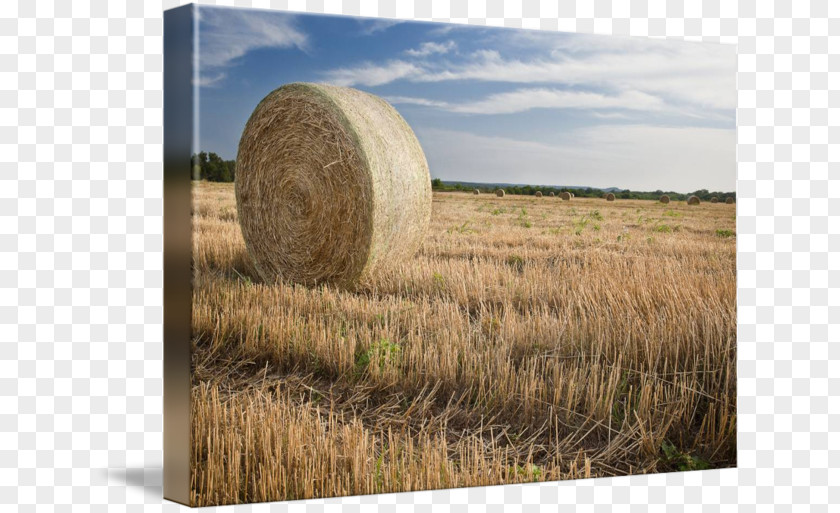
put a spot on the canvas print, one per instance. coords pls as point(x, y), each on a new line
point(432, 256)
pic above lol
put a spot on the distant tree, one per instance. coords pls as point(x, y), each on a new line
point(437, 183)
point(211, 167)
point(703, 194)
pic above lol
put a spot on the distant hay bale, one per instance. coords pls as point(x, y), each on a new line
point(730, 200)
point(331, 186)
point(565, 196)
point(538, 194)
point(664, 199)
point(476, 191)
point(610, 197)
point(573, 194)
point(713, 199)
point(500, 193)
point(693, 200)
point(551, 194)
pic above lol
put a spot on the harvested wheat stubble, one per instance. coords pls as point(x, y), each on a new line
point(610, 197)
point(476, 191)
point(730, 201)
point(664, 199)
point(693, 200)
point(331, 185)
point(538, 194)
point(500, 193)
point(565, 196)
point(714, 199)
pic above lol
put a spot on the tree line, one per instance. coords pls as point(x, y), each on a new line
point(587, 192)
point(211, 167)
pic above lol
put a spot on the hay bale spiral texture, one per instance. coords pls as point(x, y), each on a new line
point(664, 199)
point(538, 194)
point(565, 196)
point(331, 185)
point(500, 193)
point(610, 196)
point(730, 200)
point(693, 200)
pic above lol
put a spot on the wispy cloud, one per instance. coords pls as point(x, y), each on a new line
point(701, 75)
point(369, 74)
point(431, 48)
point(210, 79)
point(425, 102)
point(522, 100)
point(641, 157)
point(228, 34)
point(372, 26)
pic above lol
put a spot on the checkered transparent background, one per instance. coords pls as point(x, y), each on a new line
point(81, 254)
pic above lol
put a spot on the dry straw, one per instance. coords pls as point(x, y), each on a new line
point(565, 196)
point(693, 200)
point(610, 196)
point(538, 194)
point(730, 200)
point(331, 185)
point(500, 193)
point(664, 199)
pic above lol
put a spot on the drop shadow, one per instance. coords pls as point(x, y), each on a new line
point(147, 480)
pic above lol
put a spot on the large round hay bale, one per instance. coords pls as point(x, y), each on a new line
point(730, 200)
point(610, 196)
point(331, 185)
point(538, 194)
point(476, 191)
point(664, 199)
point(713, 199)
point(573, 194)
point(500, 193)
point(565, 196)
point(551, 194)
point(693, 200)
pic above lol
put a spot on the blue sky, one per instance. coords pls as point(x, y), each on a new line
point(492, 104)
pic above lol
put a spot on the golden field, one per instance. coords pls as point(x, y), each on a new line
point(529, 339)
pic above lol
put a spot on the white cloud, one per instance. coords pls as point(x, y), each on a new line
point(610, 115)
point(431, 48)
point(227, 34)
point(700, 75)
point(372, 26)
point(409, 100)
point(210, 79)
point(640, 157)
point(369, 74)
point(522, 100)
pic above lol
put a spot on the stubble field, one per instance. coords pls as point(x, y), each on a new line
point(529, 339)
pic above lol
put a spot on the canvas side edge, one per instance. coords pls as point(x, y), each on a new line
point(178, 129)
